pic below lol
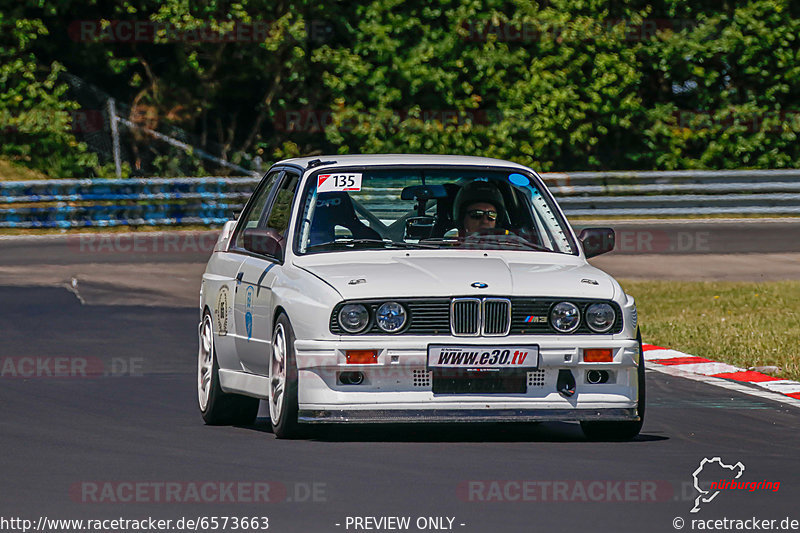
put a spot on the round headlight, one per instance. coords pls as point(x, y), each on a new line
point(353, 318)
point(391, 317)
point(600, 317)
point(565, 317)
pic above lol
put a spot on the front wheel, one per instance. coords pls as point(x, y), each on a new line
point(620, 431)
point(283, 381)
point(216, 406)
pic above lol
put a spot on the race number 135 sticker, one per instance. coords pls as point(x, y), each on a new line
point(338, 182)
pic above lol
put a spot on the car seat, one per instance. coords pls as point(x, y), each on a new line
point(444, 211)
point(336, 209)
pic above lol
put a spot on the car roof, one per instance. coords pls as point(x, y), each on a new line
point(398, 159)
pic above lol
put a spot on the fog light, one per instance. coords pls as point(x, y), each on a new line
point(598, 356)
point(597, 376)
point(361, 357)
point(351, 378)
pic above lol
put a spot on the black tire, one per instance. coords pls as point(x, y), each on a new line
point(222, 408)
point(283, 417)
point(621, 431)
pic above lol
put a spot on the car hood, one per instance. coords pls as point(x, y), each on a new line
point(360, 274)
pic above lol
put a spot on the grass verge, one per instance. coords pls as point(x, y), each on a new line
point(10, 171)
point(743, 324)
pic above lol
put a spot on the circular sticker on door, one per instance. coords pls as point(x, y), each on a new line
point(221, 311)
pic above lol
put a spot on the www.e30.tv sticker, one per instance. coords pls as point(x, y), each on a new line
point(338, 182)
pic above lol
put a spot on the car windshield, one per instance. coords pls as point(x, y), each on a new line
point(425, 208)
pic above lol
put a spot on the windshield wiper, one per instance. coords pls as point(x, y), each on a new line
point(343, 243)
point(526, 244)
point(519, 242)
point(442, 240)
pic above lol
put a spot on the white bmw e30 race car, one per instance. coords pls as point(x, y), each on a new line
point(414, 288)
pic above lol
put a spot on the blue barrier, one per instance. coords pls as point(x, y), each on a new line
point(113, 197)
point(213, 200)
point(131, 202)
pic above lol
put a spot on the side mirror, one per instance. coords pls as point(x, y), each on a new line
point(263, 241)
point(596, 241)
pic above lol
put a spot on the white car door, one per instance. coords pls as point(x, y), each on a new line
point(252, 216)
point(253, 301)
point(252, 305)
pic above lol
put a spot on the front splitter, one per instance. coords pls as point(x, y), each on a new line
point(389, 416)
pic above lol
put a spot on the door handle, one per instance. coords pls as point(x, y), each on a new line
point(239, 276)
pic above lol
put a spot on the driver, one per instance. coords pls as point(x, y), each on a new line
point(478, 206)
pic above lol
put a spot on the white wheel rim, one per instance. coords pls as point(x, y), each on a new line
point(277, 374)
point(205, 362)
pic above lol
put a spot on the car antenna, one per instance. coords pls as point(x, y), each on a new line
point(317, 162)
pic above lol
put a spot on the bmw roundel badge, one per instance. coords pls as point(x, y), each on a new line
point(479, 285)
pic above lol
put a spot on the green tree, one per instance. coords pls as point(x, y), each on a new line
point(558, 85)
point(35, 117)
point(729, 87)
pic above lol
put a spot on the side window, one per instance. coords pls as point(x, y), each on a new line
point(256, 211)
point(281, 210)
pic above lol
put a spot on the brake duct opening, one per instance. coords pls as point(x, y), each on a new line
point(566, 383)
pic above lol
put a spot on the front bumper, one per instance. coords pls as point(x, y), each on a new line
point(387, 416)
point(399, 388)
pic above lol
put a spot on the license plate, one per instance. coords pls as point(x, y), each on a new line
point(480, 357)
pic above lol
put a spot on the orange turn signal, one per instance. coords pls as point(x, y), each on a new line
point(598, 356)
point(361, 357)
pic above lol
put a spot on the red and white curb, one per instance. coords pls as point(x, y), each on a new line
point(722, 374)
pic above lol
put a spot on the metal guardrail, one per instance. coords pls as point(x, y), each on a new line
point(680, 192)
point(130, 202)
point(213, 200)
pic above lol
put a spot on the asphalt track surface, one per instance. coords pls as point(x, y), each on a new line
point(137, 422)
point(644, 237)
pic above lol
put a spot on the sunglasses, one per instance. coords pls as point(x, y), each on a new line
point(478, 214)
